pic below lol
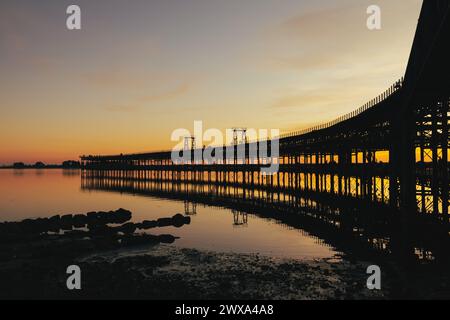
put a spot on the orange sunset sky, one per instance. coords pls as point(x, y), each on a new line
point(139, 69)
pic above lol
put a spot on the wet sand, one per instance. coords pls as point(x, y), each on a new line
point(168, 272)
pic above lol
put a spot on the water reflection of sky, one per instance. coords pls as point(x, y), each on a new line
point(44, 193)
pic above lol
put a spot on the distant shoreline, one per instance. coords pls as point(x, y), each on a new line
point(39, 168)
point(68, 164)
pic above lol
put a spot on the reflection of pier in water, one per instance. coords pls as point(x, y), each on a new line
point(190, 208)
point(240, 218)
point(344, 222)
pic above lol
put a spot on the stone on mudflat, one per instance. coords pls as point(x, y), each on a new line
point(54, 219)
point(121, 215)
point(79, 220)
point(148, 224)
point(54, 223)
point(96, 218)
point(42, 224)
point(127, 228)
point(101, 230)
point(164, 222)
point(66, 222)
point(166, 238)
point(178, 220)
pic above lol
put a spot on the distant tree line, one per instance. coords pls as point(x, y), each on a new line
point(69, 164)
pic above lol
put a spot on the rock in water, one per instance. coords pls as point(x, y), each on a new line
point(127, 228)
point(164, 222)
point(166, 238)
point(148, 224)
point(178, 220)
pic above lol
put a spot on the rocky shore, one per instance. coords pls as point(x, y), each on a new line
point(119, 261)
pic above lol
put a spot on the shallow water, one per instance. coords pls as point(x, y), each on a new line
point(43, 193)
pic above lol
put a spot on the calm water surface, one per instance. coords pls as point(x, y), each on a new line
point(43, 193)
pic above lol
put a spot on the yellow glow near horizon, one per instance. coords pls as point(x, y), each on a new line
point(137, 71)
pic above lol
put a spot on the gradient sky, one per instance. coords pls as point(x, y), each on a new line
point(139, 69)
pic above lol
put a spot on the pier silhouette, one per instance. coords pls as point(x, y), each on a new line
point(336, 162)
